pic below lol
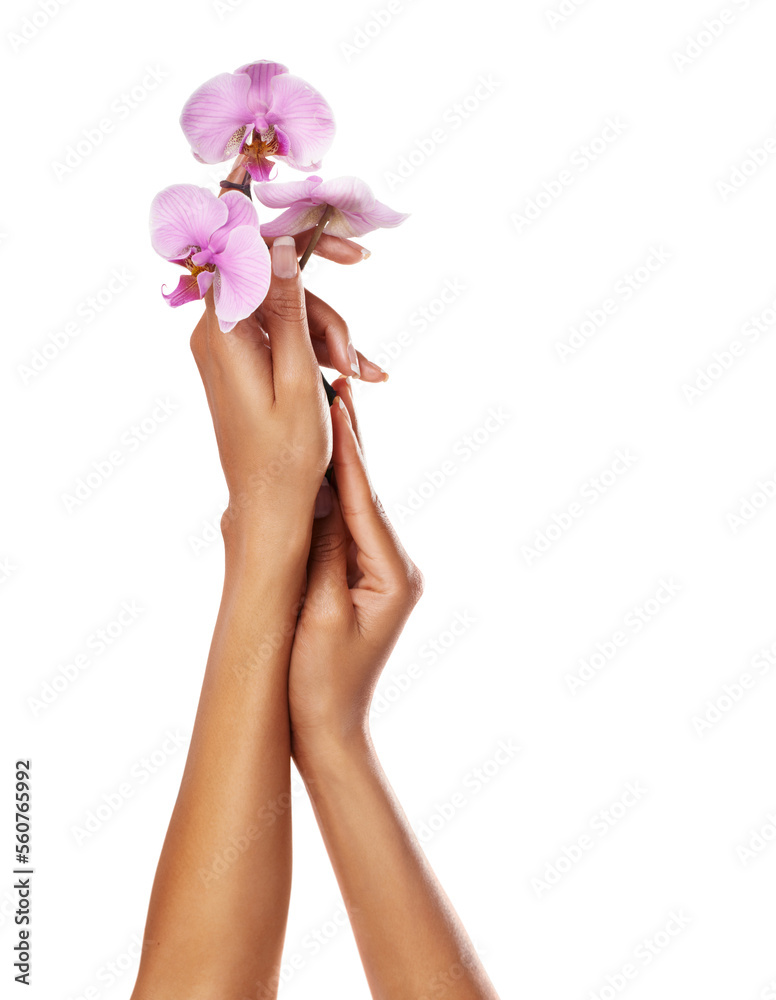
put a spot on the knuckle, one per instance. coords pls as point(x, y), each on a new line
point(328, 546)
point(285, 306)
point(415, 583)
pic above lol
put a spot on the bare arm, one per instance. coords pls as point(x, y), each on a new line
point(361, 589)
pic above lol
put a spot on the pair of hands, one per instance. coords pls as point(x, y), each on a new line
point(276, 437)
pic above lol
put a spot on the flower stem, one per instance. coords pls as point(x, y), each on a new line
point(316, 236)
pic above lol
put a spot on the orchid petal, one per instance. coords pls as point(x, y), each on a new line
point(183, 216)
point(383, 217)
point(276, 195)
point(261, 171)
point(241, 213)
point(295, 220)
point(217, 115)
point(349, 224)
point(187, 290)
point(242, 275)
point(261, 74)
point(305, 118)
point(348, 193)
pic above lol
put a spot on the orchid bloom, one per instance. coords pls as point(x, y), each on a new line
point(218, 240)
point(260, 110)
point(352, 207)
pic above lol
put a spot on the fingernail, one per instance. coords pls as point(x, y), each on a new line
point(365, 253)
point(343, 408)
point(323, 501)
point(284, 257)
point(353, 359)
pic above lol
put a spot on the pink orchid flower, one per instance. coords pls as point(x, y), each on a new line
point(352, 206)
point(260, 110)
point(218, 240)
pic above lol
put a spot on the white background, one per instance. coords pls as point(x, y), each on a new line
point(704, 791)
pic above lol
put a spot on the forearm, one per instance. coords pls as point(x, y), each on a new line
point(220, 899)
point(411, 941)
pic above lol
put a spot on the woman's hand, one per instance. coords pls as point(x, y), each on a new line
point(267, 401)
point(361, 588)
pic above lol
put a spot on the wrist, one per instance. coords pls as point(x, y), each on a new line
point(331, 752)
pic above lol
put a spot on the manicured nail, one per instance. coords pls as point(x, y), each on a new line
point(284, 257)
point(353, 359)
point(323, 501)
point(365, 253)
point(343, 408)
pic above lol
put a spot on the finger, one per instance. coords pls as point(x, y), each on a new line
point(344, 389)
point(380, 551)
point(327, 323)
point(331, 247)
point(283, 316)
point(327, 581)
point(324, 359)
